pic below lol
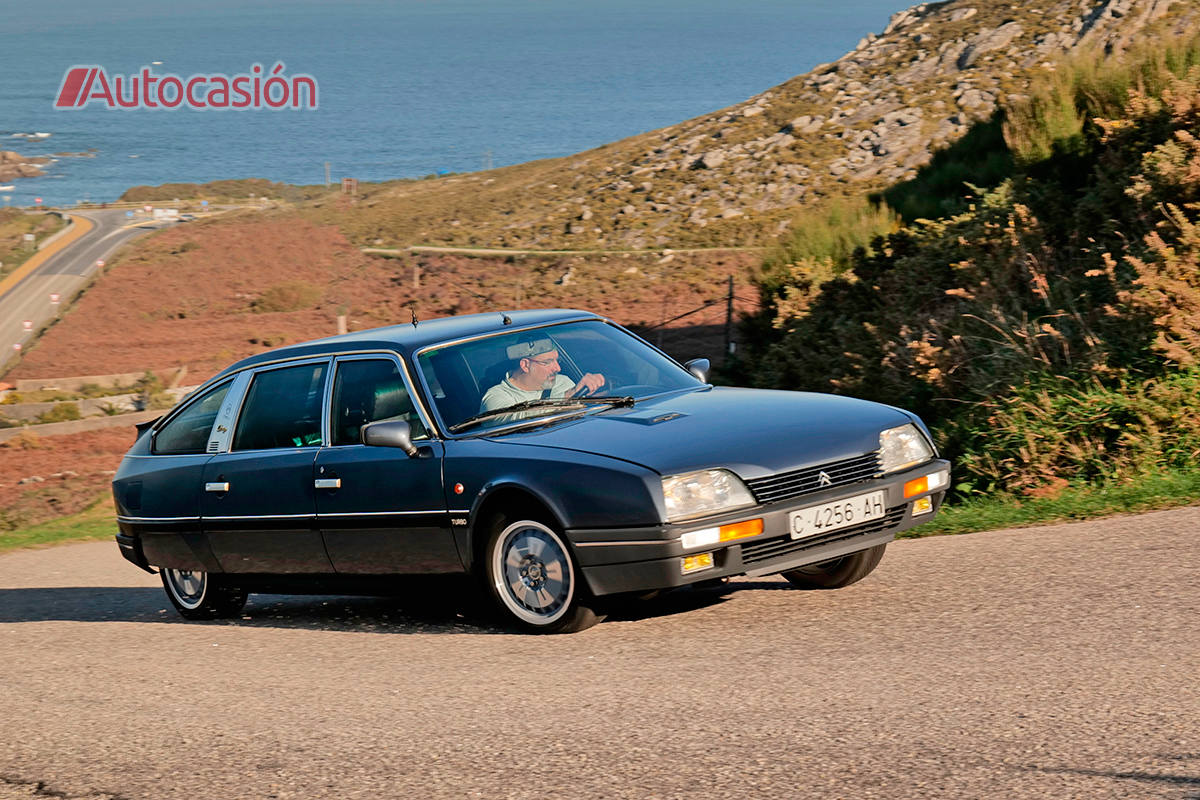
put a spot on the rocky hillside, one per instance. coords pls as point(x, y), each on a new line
point(736, 177)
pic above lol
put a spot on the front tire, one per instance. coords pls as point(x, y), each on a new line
point(200, 595)
point(532, 578)
point(838, 572)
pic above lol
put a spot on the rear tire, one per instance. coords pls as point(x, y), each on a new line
point(530, 574)
point(200, 595)
point(837, 572)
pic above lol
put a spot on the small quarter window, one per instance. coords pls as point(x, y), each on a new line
point(282, 409)
point(188, 432)
point(370, 390)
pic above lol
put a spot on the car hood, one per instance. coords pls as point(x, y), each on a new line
point(754, 432)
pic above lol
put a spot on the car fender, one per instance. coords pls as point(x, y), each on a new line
point(580, 490)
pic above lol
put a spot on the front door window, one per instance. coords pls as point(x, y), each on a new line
point(370, 390)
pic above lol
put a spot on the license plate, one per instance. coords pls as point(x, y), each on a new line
point(855, 510)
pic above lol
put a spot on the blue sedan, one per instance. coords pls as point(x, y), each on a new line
point(552, 454)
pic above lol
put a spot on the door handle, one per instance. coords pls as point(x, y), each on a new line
point(328, 483)
point(216, 486)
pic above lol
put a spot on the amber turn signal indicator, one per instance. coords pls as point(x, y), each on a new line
point(726, 533)
point(740, 530)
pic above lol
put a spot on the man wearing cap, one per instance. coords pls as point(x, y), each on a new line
point(536, 374)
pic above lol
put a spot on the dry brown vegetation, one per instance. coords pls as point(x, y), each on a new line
point(73, 470)
point(259, 281)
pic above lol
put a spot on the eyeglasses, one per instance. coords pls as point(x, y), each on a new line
point(545, 362)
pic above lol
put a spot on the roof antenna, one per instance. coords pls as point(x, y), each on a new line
point(505, 318)
point(413, 311)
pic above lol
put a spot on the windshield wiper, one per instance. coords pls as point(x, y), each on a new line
point(549, 402)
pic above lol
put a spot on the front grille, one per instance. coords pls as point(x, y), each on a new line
point(787, 485)
point(767, 549)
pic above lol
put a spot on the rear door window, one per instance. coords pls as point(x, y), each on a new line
point(187, 433)
point(282, 409)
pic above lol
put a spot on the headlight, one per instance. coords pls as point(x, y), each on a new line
point(903, 447)
point(699, 493)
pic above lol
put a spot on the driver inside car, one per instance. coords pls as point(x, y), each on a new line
point(536, 374)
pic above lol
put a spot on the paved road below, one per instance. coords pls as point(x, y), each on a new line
point(64, 273)
point(1059, 662)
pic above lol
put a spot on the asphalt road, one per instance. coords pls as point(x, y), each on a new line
point(64, 273)
point(1058, 662)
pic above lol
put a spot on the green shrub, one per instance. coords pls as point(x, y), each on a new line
point(62, 412)
point(1060, 430)
point(831, 233)
point(38, 396)
point(1050, 331)
point(290, 296)
point(160, 400)
point(25, 440)
point(820, 245)
point(151, 393)
point(1058, 118)
point(979, 160)
point(148, 383)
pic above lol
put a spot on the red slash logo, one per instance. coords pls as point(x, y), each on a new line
point(73, 91)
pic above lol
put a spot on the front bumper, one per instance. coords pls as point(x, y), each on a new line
point(641, 559)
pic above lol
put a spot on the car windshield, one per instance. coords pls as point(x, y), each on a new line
point(542, 372)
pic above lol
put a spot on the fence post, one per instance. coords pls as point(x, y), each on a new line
point(729, 318)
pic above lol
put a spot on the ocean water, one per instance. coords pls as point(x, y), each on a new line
point(406, 87)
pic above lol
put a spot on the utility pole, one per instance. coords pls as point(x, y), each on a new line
point(487, 159)
point(729, 318)
point(662, 324)
point(326, 174)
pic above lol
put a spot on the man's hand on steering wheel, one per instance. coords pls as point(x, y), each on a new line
point(587, 385)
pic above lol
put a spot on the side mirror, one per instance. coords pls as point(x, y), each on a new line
point(699, 367)
point(393, 433)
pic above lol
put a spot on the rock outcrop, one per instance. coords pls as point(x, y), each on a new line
point(889, 104)
point(14, 165)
